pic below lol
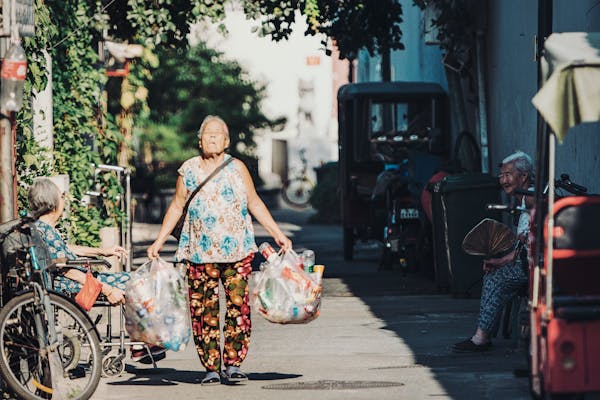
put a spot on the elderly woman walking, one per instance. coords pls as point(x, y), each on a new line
point(217, 243)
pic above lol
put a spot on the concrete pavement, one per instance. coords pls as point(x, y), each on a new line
point(380, 335)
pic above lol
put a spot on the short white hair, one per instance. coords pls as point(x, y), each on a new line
point(43, 196)
point(523, 163)
point(211, 118)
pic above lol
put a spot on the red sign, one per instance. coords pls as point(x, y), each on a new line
point(15, 70)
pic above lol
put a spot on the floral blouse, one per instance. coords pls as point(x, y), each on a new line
point(56, 246)
point(218, 227)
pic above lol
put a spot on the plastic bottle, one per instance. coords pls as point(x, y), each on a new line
point(308, 259)
point(267, 251)
point(317, 275)
point(14, 70)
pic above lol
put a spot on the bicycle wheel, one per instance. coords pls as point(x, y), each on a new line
point(71, 370)
point(296, 192)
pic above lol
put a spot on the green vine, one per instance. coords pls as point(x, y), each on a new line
point(80, 140)
point(32, 159)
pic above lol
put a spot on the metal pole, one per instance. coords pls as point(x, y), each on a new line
point(128, 237)
point(7, 205)
point(545, 8)
point(481, 95)
point(550, 229)
point(386, 65)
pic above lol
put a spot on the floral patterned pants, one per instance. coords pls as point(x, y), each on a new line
point(204, 306)
point(498, 288)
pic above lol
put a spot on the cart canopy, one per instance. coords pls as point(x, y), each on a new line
point(571, 92)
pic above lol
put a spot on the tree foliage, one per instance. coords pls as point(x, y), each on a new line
point(69, 30)
point(352, 24)
point(195, 82)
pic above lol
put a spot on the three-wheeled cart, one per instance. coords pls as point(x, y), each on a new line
point(387, 126)
point(565, 244)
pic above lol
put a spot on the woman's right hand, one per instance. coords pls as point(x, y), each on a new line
point(154, 250)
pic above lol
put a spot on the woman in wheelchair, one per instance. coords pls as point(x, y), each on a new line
point(46, 202)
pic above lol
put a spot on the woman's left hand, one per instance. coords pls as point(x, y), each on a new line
point(113, 251)
point(283, 242)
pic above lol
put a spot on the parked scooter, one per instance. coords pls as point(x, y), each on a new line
point(398, 189)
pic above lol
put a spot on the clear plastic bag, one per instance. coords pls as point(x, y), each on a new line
point(284, 293)
point(156, 306)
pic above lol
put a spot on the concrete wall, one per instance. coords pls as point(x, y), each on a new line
point(511, 83)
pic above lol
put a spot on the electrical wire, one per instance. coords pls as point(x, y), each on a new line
point(82, 25)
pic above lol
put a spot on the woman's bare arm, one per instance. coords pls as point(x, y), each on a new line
point(86, 251)
point(113, 294)
point(170, 219)
point(259, 210)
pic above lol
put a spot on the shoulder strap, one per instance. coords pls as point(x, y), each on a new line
point(208, 178)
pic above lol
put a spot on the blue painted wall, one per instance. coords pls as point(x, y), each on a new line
point(512, 82)
point(417, 62)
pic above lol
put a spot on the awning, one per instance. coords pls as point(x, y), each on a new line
point(571, 93)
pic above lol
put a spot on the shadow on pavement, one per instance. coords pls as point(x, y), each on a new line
point(171, 376)
point(412, 307)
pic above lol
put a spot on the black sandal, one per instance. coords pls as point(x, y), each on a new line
point(467, 346)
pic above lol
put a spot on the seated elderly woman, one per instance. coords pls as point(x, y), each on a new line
point(46, 203)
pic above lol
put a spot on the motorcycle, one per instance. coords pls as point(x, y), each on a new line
point(398, 189)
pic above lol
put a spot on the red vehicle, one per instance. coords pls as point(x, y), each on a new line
point(564, 293)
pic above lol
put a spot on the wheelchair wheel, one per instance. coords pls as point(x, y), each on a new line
point(112, 365)
point(70, 351)
point(29, 369)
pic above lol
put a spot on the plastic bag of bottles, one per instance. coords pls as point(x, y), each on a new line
point(284, 293)
point(156, 306)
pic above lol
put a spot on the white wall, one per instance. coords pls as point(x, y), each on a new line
point(281, 66)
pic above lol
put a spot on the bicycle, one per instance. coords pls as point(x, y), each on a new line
point(49, 347)
point(297, 190)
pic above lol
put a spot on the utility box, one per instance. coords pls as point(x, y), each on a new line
point(458, 203)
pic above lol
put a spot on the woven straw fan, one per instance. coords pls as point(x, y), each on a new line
point(490, 239)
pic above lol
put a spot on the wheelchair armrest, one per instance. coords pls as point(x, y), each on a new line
point(84, 262)
point(89, 261)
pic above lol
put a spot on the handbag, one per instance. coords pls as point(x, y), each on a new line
point(89, 292)
point(176, 232)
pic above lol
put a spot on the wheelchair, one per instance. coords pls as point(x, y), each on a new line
point(113, 343)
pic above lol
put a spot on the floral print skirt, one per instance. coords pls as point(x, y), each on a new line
point(204, 306)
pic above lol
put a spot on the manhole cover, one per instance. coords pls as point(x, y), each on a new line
point(332, 385)
point(401, 366)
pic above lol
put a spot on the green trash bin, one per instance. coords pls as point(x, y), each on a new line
point(458, 203)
